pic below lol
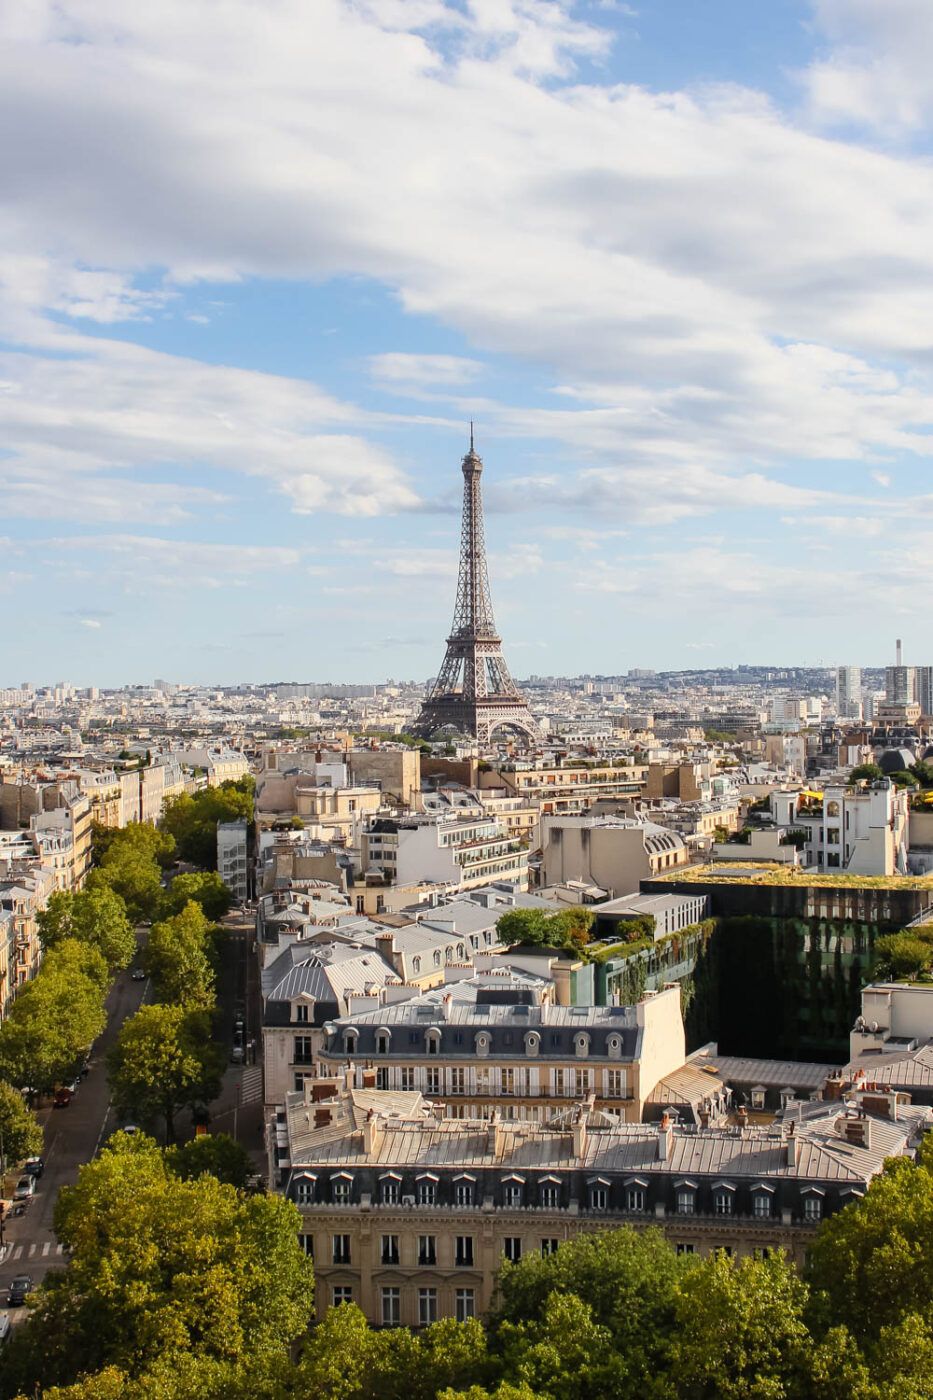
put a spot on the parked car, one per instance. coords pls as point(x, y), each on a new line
point(63, 1097)
point(5, 1326)
point(20, 1286)
point(138, 975)
point(25, 1188)
point(34, 1167)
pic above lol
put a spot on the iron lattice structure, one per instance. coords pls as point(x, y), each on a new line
point(474, 692)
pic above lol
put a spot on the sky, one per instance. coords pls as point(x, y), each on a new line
point(262, 261)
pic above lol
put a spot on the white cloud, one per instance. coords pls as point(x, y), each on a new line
point(91, 622)
point(877, 70)
point(417, 375)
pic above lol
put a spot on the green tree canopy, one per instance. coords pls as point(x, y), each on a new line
point(869, 771)
point(22, 1135)
point(568, 928)
point(192, 819)
point(213, 1154)
point(205, 887)
point(177, 958)
point(54, 1020)
point(903, 955)
point(163, 1060)
point(96, 916)
point(131, 865)
point(163, 1269)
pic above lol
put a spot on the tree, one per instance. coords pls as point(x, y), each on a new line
point(522, 926)
point(867, 771)
point(923, 772)
point(192, 820)
point(72, 958)
point(163, 1060)
point(739, 1330)
point(564, 1353)
point(54, 1020)
point(21, 1134)
point(871, 1264)
point(131, 865)
point(569, 928)
point(216, 1155)
point(902, 779)
point(627, 1278)
point(163, 1271)
point(95, 915)
point(176, 958)
point(903, 954)
point(205, 887)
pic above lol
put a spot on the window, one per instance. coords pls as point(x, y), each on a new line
point(427, 1249)
point(513, 1193)
point(382, 1043)
point(464, 1251)
point(762, 1205)
point(382, 1078)
point(465, 1301)
point(340, 1249)
point(723, 1202)
point(599, 1197)
point(686, 1249)
point(301, 1011)
point(433, 1081)
point(432, 1042)
point(635, 1198)
point(390, 1249)
point(463, 1193)
point(408, 1078)
point(341, 1294)
point(812, 1209)
point(390, 1191)
point(302, 1052)
point(437, 958)
point(350, 1042)
point(558, 1081)
point(457, 1081)
point(416, 966)
point(304, 1190)
point(550, 1194)
point(758, 1098)
point(427, 1192)
point(427, 1306)
point(686, 1201)
point(341, 1189)
point(360, 904)
point(508, 1081)
point(615, 1083)
point(512, 1248)
point(583, 1081)
point(724, 1249)
point(391, 1307)
point(549, 1246)
point(307, 1245)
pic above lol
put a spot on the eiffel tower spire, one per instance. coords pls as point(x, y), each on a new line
point(474, 692)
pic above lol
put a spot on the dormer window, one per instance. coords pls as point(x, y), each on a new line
point(350, 1042)
point(686, 1197)
point(482, 1043)
point(383, 1041)
point(463, 1191)
point(390, 1187)
point(761, 1202)
point(598, 1189)
point(614, 1045)
point(432, 1042)
point(581, 1044)
point(416, 966)
point(302, 1012)
point(305, 1188)
point(437, 957)
point(532, 1043)
point(341, 1189)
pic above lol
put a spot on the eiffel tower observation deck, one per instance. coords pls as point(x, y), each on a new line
point(474, 693)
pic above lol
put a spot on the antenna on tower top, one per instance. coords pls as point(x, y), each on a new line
point(471, 434)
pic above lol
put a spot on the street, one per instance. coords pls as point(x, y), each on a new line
point(72, 1136)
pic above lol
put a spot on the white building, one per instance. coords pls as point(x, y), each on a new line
point(848, 692)
point(232, 858)
point(443, 850)
point(861, 830)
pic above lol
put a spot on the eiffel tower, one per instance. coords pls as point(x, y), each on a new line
point(474, 693)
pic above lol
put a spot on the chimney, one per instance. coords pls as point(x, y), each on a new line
point(369, 1079)
point(578, 1128)
point(704, 1117)
point(857, 1130)
point(372, 1133)
point(793, 1146)
point(741, 1114)
point(899, 652)
point(495, 1139)
point(665, 1137)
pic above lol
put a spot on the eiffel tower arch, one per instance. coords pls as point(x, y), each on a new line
point(474, 693)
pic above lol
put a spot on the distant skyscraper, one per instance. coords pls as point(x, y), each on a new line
point(474, 693)
point(848, 692)
point(923, 688)
point(899, 680)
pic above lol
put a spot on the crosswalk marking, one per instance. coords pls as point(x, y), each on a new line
point(18, 1252)
point(251, 1084)
point(59, 1248)
point(32, 1250)
point(45, 1248)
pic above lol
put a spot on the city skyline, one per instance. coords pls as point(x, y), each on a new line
point(252, 296)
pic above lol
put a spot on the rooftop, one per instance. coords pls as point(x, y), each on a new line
point(765, 873)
